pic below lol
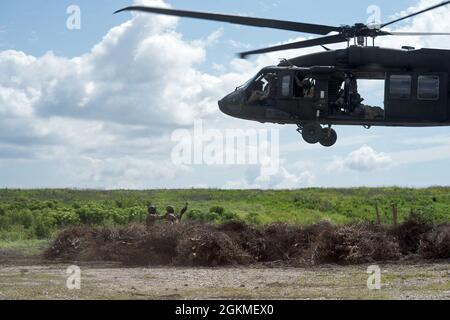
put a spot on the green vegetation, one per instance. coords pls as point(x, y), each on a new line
point(25, 247)
point(38, 214)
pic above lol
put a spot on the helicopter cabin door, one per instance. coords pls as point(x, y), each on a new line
point(416, 97)
point(304, 97)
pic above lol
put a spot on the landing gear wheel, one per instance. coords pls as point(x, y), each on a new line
point(312, 132)
point(328, 137)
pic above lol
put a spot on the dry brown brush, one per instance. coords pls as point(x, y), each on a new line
point(236, 243)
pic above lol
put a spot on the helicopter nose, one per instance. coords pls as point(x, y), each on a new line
point(231, 104)
point(222, 105)
point(225, 106)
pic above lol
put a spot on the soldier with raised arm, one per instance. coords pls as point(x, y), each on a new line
point(172, 217)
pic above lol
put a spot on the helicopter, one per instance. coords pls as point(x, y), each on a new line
point(320, 90)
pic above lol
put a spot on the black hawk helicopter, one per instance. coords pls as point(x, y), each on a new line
point(318, 90)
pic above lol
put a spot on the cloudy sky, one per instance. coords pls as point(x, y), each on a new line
point(96, 107)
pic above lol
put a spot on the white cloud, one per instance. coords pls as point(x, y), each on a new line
point(115, 105)
point(283, 179)
point(127, 172)
point(365, 159)
point(239, 45)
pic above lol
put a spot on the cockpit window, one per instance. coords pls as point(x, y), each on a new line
point(247, 84)
point(263, 89)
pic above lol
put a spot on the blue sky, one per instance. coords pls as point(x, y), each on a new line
point(38, 26)
point(57, 133)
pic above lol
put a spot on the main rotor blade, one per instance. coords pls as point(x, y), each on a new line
point(417, 13)
point(419, 33)
point(297, 45)
point(255, 22)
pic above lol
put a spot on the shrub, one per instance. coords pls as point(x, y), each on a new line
point(76, 206)
point(253, 218)
point(217, 210)
point(92, 215)
point(51, 204)
point(197, 215)
point(23, 218)
point(43, 229)
point(5, 222)
point(119, 217)
point(16, 233)
point(136, 214)
point(66, 218)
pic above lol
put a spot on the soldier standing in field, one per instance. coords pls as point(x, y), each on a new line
point(172, 217)
point(152, 216)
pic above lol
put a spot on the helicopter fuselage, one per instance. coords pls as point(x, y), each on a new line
point(416, 89)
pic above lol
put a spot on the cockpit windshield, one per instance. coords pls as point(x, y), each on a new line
point(247, 84)
point(259, 76)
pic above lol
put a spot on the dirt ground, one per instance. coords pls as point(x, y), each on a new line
point(29, 280)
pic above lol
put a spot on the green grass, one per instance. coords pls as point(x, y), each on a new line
point(25, 247)
point(38, 214)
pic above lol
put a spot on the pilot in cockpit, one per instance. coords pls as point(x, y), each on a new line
point(263, 89)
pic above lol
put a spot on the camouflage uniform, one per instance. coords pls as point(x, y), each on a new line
point(152, 216)
point(172, 217)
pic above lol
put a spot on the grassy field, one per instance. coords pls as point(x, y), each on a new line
point(37, 214)
point(30, 218)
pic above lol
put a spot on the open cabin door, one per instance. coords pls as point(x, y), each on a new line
point(418, 97)
point(302, 95)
